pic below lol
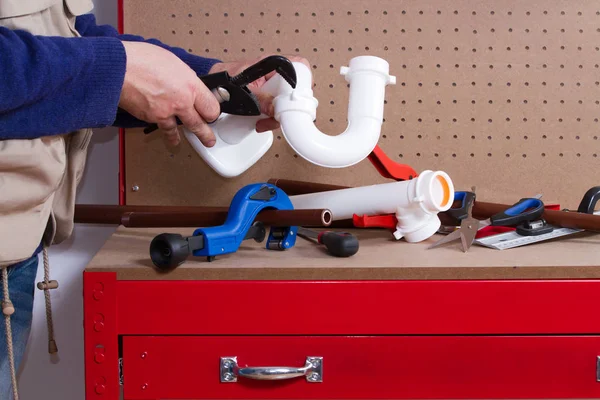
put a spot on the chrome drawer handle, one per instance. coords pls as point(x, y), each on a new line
point(312, 370)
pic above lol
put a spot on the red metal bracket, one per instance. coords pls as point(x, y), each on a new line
point(101, 342)
point(389, 168)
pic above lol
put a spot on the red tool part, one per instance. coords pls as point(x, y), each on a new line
point(389, 221)
point(389, 168)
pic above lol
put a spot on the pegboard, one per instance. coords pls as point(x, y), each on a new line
point(504, 96)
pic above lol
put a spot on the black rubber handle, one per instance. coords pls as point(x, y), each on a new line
point(588, 203)
point(170, 250)
point(339, 244)
point(458, 214)
point(525, 210)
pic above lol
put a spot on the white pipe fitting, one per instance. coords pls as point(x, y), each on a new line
point(296, 111)
point(415, 203)
point(238, 145)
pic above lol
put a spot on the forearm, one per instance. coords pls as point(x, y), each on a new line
point(87, 27)
point(54, 85)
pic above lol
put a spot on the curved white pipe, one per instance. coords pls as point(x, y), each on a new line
point(296, 111)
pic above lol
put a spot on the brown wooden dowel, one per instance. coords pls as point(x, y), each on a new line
point(293, 188)
point(312, 218)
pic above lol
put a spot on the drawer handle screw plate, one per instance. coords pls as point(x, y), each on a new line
point(312, 371)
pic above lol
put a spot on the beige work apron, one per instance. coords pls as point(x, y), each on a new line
point(39, 177)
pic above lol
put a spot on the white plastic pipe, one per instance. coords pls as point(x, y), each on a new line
point(415, 203)
point(296, 111)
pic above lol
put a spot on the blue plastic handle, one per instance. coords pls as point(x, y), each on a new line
point(529, 209)
point(243, 210)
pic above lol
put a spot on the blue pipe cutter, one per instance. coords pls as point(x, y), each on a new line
point(169, 250)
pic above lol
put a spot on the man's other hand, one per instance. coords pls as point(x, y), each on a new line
point(159, 87)
point(266, 101)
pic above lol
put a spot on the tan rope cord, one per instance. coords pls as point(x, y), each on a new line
point(8, 310)
point(46, 286)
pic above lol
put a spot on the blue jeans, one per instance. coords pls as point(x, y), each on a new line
point(21, 286)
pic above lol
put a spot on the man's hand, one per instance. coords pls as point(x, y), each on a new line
point(159, 87)
point(266, 101)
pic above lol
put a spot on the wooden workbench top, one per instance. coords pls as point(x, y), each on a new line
point(379, 257)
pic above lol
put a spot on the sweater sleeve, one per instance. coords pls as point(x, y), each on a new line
point(86, 25)
point(51, 85)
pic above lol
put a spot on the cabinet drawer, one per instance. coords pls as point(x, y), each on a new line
point(360, 367)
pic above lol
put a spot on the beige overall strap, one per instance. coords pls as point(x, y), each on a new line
point(46, 286)
point(8, 309)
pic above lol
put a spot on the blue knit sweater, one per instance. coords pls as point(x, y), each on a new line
point(52, 85)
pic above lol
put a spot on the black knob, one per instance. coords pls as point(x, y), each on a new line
point(169, 250)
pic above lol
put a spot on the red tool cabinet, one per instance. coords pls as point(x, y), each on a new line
point(159, 336)
point(395, 321)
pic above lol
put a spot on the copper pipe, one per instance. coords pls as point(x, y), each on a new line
point(293, 188)
point(111, 214)
point(313, 218)
point(563, 219)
